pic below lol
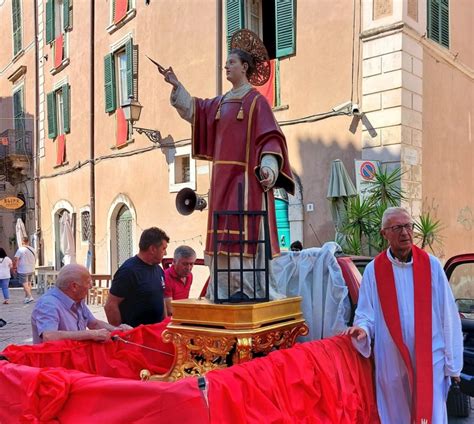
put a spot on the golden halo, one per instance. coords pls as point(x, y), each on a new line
point(249, 42)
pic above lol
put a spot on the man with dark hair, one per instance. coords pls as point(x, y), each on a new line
point(178, 277)
point(136, 294)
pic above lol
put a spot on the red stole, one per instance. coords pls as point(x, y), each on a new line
point(421, 374)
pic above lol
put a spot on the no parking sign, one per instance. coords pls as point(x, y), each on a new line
point(365, 170)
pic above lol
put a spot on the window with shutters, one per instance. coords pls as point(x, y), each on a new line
point(58, 25)
point(17, 27)
point(121, 72)
point(19, 119)
point(85, 226)
point(58, 104)
point(120, 12)
point(273, 20)
point(59, 120)
point(182, 169)
point(438, 21)
point(119, 76)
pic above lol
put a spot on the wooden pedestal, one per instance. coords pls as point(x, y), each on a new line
point(208, 336)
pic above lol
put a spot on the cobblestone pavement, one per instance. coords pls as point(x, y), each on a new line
point(18, 329)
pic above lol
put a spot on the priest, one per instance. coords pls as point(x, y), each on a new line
point(406, 308)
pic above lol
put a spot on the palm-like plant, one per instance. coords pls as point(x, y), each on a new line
point(427, 230)
point(385, 188)
point(360, 231)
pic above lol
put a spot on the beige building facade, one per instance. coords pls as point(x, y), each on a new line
point(112, 181)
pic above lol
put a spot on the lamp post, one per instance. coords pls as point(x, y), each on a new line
point(132, 111)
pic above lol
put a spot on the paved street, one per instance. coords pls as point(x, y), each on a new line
point(18, 329)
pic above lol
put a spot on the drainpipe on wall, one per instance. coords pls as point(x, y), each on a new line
point(36, 171)
point(92, 147)
point(218, 47)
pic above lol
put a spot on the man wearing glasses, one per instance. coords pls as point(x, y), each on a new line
point(407, 309)
point(62, 313)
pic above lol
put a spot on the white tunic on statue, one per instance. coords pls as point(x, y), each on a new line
point(392, 387)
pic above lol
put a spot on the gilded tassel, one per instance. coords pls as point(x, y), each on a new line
point(240, 115)
point(218, 113)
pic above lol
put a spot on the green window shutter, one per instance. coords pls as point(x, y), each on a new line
point(16, 18)
point(66, 109)
point(109, 83)
point(66, 14)
point(52, 122)
point(438, 21)
point(444, 23)
point(18, 114)
point(285, 27)
point(49, 21)
point(129, 54)
point(235, 18)
point(113, 10)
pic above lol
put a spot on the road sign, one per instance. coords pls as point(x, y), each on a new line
point(11, 202)
point(365, 171)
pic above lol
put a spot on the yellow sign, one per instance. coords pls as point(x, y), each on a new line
point(11, 202)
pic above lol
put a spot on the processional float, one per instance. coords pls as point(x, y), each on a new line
point(241, 322)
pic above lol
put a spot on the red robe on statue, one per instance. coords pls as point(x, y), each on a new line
point(234, 134)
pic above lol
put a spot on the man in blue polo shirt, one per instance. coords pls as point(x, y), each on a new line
point(136, 293)
point(62, 313)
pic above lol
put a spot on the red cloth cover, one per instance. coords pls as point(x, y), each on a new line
point(121, 7)
point(60, 149)
point(58, 51)
point(319, 382)
point(122, 128)
point(267, 90)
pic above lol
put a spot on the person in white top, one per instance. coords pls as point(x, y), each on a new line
point(24, 264)
point(407, 309)
point(5, 266)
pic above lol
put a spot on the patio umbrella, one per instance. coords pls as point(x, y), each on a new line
point(67, 242)
point(20, 232)
point(340, 188)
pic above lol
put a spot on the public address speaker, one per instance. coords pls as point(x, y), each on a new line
point(187, 201)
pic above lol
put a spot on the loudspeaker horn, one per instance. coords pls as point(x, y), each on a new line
point(187, 201)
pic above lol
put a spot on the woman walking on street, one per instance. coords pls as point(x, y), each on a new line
point(5, 266)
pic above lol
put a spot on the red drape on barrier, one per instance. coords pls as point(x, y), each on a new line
point(111, 359)
point(318, 382)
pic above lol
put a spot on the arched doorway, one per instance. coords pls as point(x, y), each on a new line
point(123, 235)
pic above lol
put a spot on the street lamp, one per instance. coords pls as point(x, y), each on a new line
point(132, 111)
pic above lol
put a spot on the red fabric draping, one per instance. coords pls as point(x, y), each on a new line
point(318, 382)
point(111, 359)
point(267, 90)
point(60, 149)
point(122, 128)
point(325, 381)
point(58, 51)
point(121, 7)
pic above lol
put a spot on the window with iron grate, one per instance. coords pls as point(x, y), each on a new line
point(85, 226)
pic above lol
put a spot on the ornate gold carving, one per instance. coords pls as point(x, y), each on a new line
point(202, 348)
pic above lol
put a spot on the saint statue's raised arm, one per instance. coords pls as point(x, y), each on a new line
point(238, 132)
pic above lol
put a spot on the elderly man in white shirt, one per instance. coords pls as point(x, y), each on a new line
point(407, 308)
